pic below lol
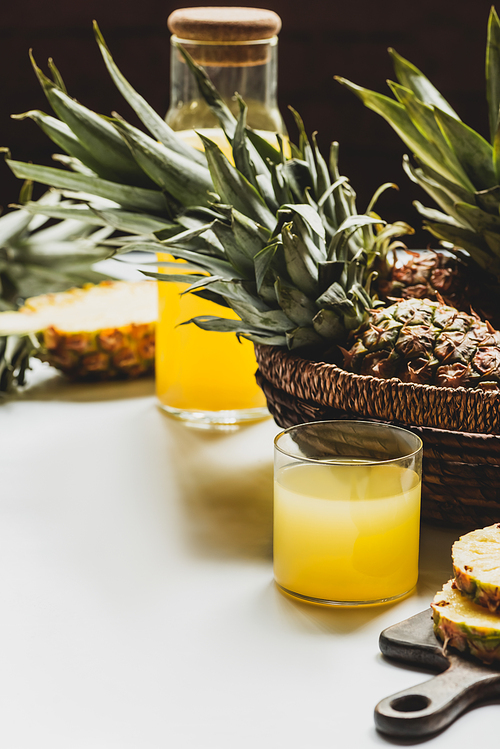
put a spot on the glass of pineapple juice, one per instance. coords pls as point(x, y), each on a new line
point(347, 512)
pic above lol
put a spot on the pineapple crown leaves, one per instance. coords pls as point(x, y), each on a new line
point(275, 229)
point(35, 259)
point(455, 164)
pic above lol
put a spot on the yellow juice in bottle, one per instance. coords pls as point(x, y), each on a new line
point(217, 135)
point(199, 370)
point(346, 533)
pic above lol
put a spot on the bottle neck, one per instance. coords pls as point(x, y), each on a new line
point(247, 68)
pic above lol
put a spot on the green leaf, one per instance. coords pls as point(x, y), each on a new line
point(136, 223)
point(301, 337)
point(240, 151)
point(75, 165)
point(378, 192)
point(62, 255)
point(210, 94)
point(234, 188)
point(274, 320)
point(96, 134)
point(12, 225)
point(306, 150)
point(62, 136)
point(221, 325)
point(489, 200)
point(338, 244)
point(15, 354)
point(496, 152)
point(182, 278)
point(335, 297)
point(301, 267)
point(424, 119)
point(213, 265)
point(342, 209)
point(473, 151)
point(297, 178)
point(238, 258)
point(398, 118)
point(323, 177)
point(296, 305)
point(187, 181)
point(493, 72)
point(56, 76)
point(265, 149)
point(478, 219)
point(444, 198)
point(461, 237)
point(456, 192)
point(265, 271)
point(411, 77)
point(431, 214)
point(328, 324)
point(150, 201)
point(310, 216)
point(155, 124)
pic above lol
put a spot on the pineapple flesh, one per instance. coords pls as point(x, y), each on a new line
point(98, 332)
point(476, 566)
point(464, 625)
point(421, 341)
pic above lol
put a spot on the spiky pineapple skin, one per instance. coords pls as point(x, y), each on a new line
point(431, 274)
point(115, 353)
point(482, 642)
point(421, 341)
point(122, 352)
point(471, 580)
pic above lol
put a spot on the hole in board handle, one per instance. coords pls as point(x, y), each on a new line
point(411, 703)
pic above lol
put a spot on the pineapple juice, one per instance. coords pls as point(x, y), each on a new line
point(199, 370)
point(346, 532)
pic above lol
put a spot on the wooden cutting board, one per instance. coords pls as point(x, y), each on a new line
point(433, 705)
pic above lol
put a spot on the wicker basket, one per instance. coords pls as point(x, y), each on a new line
point(460, 428)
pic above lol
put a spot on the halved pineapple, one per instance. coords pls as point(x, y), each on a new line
point(476, 566)
point(464, 625)
point(97, 332)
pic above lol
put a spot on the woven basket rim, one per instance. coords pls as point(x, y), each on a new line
point(472, 410)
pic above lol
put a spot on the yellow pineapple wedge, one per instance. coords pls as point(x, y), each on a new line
point(98, 332)
point(464, 625)
point(476, 566)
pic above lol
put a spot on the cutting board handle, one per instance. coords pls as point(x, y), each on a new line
point(433, 705)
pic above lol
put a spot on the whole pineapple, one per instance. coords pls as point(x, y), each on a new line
point(459, 170)
point(418, 340)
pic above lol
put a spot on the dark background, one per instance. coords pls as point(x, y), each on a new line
point(319, 39)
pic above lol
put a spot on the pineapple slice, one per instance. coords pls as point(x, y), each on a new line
point(476, 566)
point(99, 332)
point(464, 625)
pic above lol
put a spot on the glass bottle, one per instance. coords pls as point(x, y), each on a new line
point(204, 377)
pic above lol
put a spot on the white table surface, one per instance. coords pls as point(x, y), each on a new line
point(138, 609)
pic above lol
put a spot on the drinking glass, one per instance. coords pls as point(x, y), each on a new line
point(347, 512)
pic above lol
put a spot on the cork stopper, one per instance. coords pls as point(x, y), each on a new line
point(224, 24)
